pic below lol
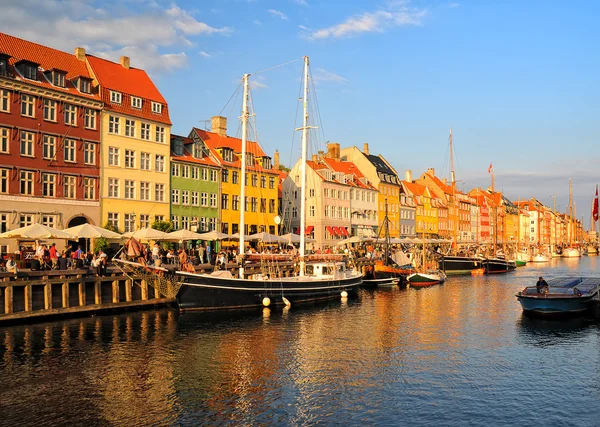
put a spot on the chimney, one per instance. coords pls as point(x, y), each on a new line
point(315, 158)
point(333, 151)
point(276, 160)
point(431, 171)
point(219, 125)
point(80, 53)
point(408, 176)
point(321, 155)
point(125, 62)
point(366, 148)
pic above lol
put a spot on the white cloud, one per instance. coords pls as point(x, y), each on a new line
point(301, 2)
point(278, 14)
point(155, 38)
point(322, 75)
point(257, 22)
point(205, 54)
point(396, 15)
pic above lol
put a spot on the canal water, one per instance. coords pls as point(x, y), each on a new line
point(452, 355)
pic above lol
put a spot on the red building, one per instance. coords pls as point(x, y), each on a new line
point(49, 137)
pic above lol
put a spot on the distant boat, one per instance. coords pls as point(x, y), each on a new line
point(571, 253)
point(421, 280)
point(540, 258)
point(564, 295)
point(498, 264)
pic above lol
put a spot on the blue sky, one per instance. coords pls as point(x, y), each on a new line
point(516, 80)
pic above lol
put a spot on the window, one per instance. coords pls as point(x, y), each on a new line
point(3, 181)
point(27, 143)
point(263, 181)
point(90, 118)
point(3, 229)
point(160, 134)
point(136, 102)
point(113, 219)
point(129, 159)
point(89, 153)
point(175, 222)
point(70, 115)
point(271, 205)
point(224, 201)
point(144, 190)
point(195, 172)
point(113, 187)
point(204, 174)
point(27, 183)
point(235, 177)
point(48, 185)
point(129, 224)
point(89, 188)
point(175, 197)
point(129, 189)
point(156, 107)
point(115, 97)
point(144, 221)
point(27, 105)
point(195, 198)
point(214, 175)
point(159, 218)
point(254, 180)
point(185, 171)
point(4, 135)
point(213, 200)
point(3, 69)
point(175, 169)
point(30, 72)
point(235, 202)
point(204, 199)
point(185, 197)
point(69, 187)
point(225, 175)
point(4, 101)
point(85, 86)
point(159, 192)
point(145, 161)
point(253, 204)
point(50, 110)
point(159, 163)
point(263, 205)
point(58, 79)
point(311, 211)
point(113, 124)
point(130, 128)
point(113, 156)
point(145, 133)
point(70, 145)
point(227, 154)
point(25, 220)
point(197, 151)
point(185, 222)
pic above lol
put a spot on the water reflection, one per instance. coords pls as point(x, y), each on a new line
point(457, 354)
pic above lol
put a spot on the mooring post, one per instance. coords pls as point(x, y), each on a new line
point(98, 291)
point(47, 296)
point(128, 287)
point(81, 291)
point(27, 297)
point(144, 286)
point(115, 291)
point(8, 300)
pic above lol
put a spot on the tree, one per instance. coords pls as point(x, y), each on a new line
point(101, 244)
point(165, 226)
point(110, 226)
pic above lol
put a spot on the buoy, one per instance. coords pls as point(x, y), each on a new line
point(344, 294)
point(286, 302)
point(266, 301)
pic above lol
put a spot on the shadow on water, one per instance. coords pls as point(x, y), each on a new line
point(549, 331)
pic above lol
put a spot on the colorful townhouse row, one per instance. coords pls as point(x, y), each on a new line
point(87, 140)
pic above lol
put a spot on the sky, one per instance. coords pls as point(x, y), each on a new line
point(517, 81)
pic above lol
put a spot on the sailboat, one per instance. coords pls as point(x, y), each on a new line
point(539, 256)
point(424, 277)
point(457, 264)
point(497, 263)
point(327, 277)
point(571, 252)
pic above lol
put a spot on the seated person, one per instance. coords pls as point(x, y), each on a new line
point(11, 264)
point(541, 285)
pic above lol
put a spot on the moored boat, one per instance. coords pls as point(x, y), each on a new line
point(455, 265)
point(570, 253)
point(563, 296)
point(498, 264)
point(540, 258)
point(429, 278)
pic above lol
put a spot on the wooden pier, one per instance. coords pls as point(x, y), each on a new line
point(33, 294)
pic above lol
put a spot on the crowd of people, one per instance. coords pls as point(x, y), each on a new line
point(50, 258)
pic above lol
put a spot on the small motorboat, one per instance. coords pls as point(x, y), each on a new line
point(430, 278)
point(562, 296)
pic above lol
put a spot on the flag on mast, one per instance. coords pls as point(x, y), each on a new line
point(490, 168)
point(595, 209)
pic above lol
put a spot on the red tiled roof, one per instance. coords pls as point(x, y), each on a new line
point(214, 141)
point(129, 82)
point(348, 168)
point(414, 188)
point(48, 59)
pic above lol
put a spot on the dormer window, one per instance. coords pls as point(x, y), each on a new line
point(136, 102)
point(3, 65)
point(116, 97)
point(58, 78)
point(27, 69)
point(249, 159)
point(178, 147)
point(266, 163)
point(227, 154)
point(197, 150)
point(84, 85)
point(156, 107)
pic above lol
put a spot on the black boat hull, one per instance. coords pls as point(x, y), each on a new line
point(455, 265)
point(204, 292)
point(498, 266)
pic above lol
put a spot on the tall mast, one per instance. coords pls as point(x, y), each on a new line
point(455, 220)
point(495, 237)
point(570, 212)
point(244, 117)
point(303, 167)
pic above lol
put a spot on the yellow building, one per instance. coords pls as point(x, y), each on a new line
point(427, 210)
point(262, 181)
point(135, 145)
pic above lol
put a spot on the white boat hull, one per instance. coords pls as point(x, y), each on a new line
point(571, 253)
point(540, 258)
